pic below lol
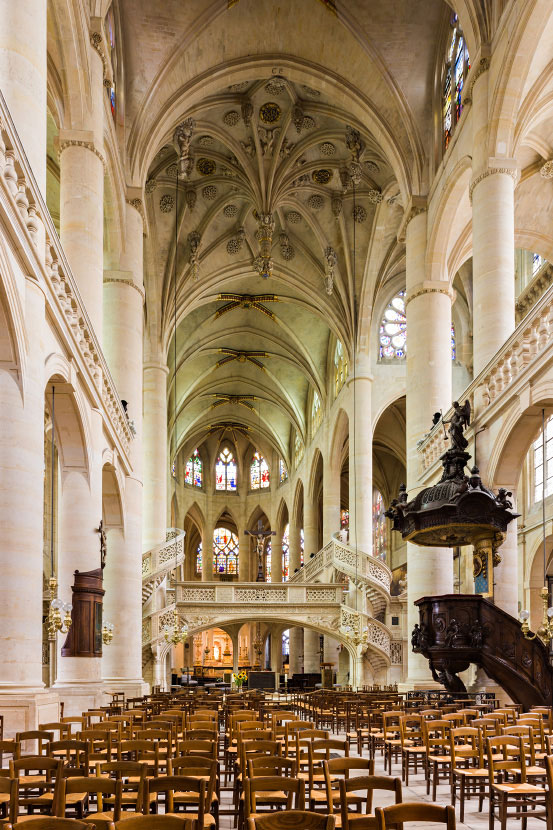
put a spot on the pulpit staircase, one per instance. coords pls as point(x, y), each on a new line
point(459, 629)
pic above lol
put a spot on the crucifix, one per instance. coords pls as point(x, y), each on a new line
point(260, 536)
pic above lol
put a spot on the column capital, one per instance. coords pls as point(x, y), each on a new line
point(505, 166)
point(153, 364)
point(78, 138)
point(99, 44)
point(429, 287)
point(110, 276)
point(415, 206)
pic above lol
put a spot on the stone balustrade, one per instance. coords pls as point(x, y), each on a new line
point(160, 561)
point(21, 198)
point(512, 367)
point(348, 561)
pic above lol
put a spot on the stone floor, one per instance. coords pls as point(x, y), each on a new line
point(416, 791)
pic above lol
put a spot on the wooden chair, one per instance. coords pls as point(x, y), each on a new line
point(77, 721)
point(132, 775)
point(291, 820)
point(438, 754)
point(206, 749)
point(337, 769)
point(272, 792)
point(195, 788)
point(12, 748)
point(524, 798)
point(206, 769)
point(99, 787)
point(38, 779)
point(146, 752)
point(42, 737)
point(413, 748)
point(63, 730)
point(100, 745)
point(8, 800)
point(52, 823)
point(368, 783)
point(391, 737)
point(397, 814)
point(318, 752)
point(467, 766)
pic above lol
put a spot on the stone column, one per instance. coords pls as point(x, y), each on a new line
point(155, 469)
point(123, 340)
point(309, 527)
point(429, 570)
point(23, 31)
point(79, 549)
point(294, 547)
point(276, 558)
point(505, 575)
point(276, 650)
point(311, 656)
point(207, 553)
point(296, 650)
point(493, 237)
point(21, 520)
point(360, 456)
point(331, 500)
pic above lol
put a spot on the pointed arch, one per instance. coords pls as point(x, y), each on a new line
point(297, 509)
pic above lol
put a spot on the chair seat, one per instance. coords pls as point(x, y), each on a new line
point(471, 772)
point(522, 789)
point(209, 820)
point(420, 750)
point(440, 759)
point(101, 821)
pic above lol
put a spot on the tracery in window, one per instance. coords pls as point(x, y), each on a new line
point(225, 471)
point(193, 472)
point(302, 545)
point(316, 413)
point(393, 329)
point(344, 519)
point(199, 559)
point(286, 554)
point(298, 450)
point(340, 367)
point(380, 541)
point(225, 551)
point(538, 462)
point(282, 471)
point(453, 349)
point(259, 473)
point(455, 71)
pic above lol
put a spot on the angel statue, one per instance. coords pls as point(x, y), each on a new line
point(459, 421)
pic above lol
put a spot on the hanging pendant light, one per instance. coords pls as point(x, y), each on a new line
point(55, 623)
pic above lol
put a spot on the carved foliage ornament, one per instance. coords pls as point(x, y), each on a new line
point(270, 112)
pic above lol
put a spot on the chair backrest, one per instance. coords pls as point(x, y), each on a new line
point(506, 754)
point(8, 787)
point(131, 773)
point(269, 765)
point(207, 749)
point(436, 735)
point(367, 783)
point(93, 784)
point(200, 735)
point(156, 822)
point(42, 737)
point(76, 722)
point(336, 768)
point(52, 823)
point(410, 730)
point(73, 753)
point(466, 743)
point(291, 728)
point(63, 729)
point(194, 765)
point(414, 811)
point(291, 820)
point(140, 750)
point(171, 784)
point(293, 788)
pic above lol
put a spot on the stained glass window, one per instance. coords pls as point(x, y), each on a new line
point(456, 67)
point(538, 462)
point(193, 471)
point(302, 545)
point(340, 367)
point(225, 551)
point(110, 34)
point(286, 643)
point(282, 471)
point(199, 559)
point(380, 546)
point(316, 413)
point(286, 554)
point(344, 519)
point(393, 329)
point(174, 469)
point(298, 450)
point(225, 471)
point(259, 473)
point(453, 349)
point(537, 262)
point(268, 559)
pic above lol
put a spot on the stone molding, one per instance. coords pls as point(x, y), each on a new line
point(415, 207)
point(76, 142)
point(428, 288)
point(128, 282)
point(97, 41)
point(509, 171)
point(482, 66)
point(138, 206)
point(546, 170)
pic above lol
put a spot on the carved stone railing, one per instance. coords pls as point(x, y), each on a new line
point(22, 200)
point(529, 347)
point(158, 562)
point(367, 572)
point(533, 291)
